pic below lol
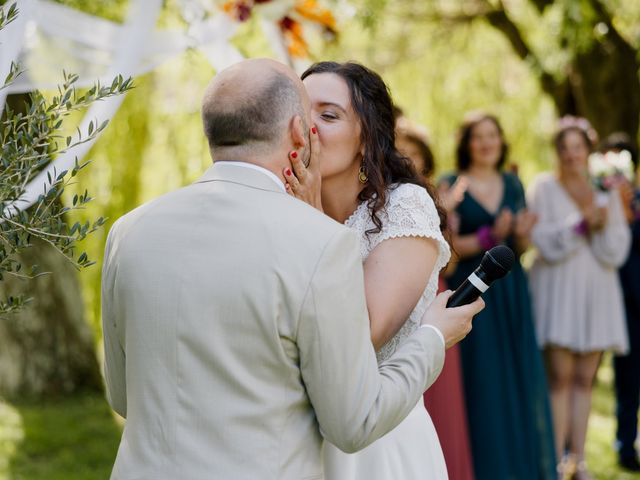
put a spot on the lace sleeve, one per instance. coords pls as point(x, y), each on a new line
point(411, 212)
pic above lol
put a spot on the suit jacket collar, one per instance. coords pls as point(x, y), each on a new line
point(221, 171)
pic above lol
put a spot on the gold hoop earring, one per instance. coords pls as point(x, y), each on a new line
point(363, 178)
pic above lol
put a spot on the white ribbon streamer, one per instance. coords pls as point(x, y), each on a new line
point(140, 22)
point(47, 38)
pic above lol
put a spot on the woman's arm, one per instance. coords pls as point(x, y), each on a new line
point(474, 243)
point(396, 273)
point(611, 244)
point(524, 220)
point(555, 239)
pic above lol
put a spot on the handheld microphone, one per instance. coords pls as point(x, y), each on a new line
point(495, 264)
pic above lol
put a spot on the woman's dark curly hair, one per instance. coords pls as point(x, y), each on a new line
point(426, 154)
point(463, 150)
point(385, 166)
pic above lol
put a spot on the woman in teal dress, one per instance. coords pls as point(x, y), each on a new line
point(504, 379)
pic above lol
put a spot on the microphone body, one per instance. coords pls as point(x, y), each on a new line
point(473, 286)
point(495, 264)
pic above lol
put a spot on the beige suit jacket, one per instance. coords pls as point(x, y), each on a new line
point(236, 335)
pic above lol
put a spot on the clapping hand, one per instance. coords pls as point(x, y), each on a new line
point(305, 182)
point(452, 195)
point(595, 216)
point(626, 195)
point(525, 220)
point(503, 225)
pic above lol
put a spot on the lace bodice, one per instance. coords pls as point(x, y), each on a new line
point(409, 212)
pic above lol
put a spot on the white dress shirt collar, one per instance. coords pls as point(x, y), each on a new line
point(268, 173)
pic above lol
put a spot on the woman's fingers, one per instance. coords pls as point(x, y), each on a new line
point(459, 188)
point(291, 179)
point(304, 182)
point(314, 147)
point(299, 170)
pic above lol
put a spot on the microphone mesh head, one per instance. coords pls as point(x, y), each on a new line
point(498, 261)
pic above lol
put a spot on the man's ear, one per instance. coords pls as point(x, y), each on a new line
point(297, 132)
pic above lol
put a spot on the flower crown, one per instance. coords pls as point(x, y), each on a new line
point(581, 123)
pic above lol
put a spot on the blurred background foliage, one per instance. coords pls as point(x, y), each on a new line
point(440, 58)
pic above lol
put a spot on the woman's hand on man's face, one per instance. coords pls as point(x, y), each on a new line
point(304, 182)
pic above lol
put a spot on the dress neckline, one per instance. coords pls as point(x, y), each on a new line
point(351, 218)
point(500, 204)
point(567, 195)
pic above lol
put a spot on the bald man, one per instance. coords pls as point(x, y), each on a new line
point(235, 324)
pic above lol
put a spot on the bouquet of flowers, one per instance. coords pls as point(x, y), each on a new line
point(610, 169)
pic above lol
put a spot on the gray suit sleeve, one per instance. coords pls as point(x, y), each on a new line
point(114, 354)
point(355, 400)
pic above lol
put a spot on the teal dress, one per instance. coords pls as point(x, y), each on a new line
point(506, 394)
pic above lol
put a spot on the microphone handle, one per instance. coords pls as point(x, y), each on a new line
point(464, 294)
point(468, 292)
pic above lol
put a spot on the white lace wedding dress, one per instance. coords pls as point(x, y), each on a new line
point(411, 451)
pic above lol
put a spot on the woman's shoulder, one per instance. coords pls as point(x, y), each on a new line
point(543, 180)
point(408, 193)
point(410, 210)
point(408, 197)
point(511, 178)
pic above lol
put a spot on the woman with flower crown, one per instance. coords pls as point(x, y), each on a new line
point(581, 238)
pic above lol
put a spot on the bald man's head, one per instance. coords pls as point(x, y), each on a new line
point(250, 105)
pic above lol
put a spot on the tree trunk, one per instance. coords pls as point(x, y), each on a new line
point(606, 87)
point(602, 82)
point(48, 347)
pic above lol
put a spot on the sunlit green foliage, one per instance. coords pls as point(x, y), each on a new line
point(437, 71)
point(582, 53)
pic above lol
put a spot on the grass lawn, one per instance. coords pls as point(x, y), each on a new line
point(76, 438)
point(72, 438)
point(601, 457)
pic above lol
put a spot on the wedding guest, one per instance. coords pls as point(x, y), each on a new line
point(412, 142)
point(581, 239)
point(627, 367)
point(504, 380)
point(445, 398)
